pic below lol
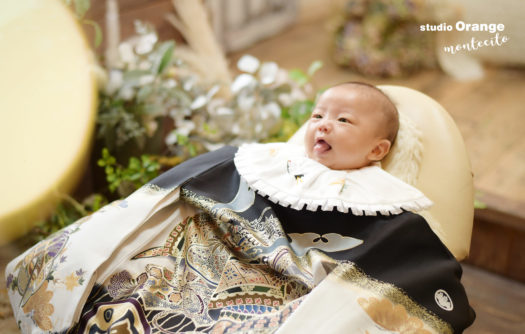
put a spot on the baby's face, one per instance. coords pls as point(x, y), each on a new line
point(344, 129)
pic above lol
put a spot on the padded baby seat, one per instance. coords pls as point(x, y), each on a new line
point(430, 154)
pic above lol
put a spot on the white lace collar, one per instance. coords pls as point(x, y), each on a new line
point(288, 177)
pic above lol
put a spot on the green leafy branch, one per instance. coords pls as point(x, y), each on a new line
point(302, 78)
point(130, 178)
point(67, 212)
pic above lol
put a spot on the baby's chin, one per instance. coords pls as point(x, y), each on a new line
point(331, 163)
point(322, 159)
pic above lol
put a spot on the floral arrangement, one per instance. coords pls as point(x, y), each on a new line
point(154, 102)
point(383, 37)
point(156, 111)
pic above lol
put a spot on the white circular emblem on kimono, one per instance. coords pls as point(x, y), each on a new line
point(443, 300)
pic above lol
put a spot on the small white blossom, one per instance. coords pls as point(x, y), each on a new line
point(268, 73)
point(170, 83)
point(144, 65)
point(242, 81)
point(126, 54)
point(245, 102)
point(146, 79)
point(146, 43)
point(171, 138)
point(199, 102)
point(223, 111)
point(236, 129)
point(115, 81)
point(212, 91)
point(126, 93)
point(185, 127)
point(248, 63)
point(285, 99)
point(273, 109)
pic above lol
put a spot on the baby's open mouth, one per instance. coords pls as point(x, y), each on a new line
point(321, 146)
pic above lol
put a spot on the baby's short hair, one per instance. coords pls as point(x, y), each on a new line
point(388, 108)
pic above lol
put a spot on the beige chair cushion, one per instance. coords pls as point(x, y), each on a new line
point(441, 170)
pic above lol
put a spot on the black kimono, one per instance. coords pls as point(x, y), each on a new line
point(198, 250)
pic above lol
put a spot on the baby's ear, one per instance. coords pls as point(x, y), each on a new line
point(380, 150)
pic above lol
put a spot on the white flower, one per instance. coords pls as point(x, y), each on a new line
point(248, 63)
point(298, 95)
point(115, 81)
point(188, 84)
point(151, 127)
point(236, 129)
point(242, 81)
point(273, 109)
point(144, 65)
point(185, 127)
point(145, 43)
point(268, 73)
point(170, 83)
point(171, 138)
point(125, 51)
point(212, 91)
point(245, 102)
point(126, 93)
point(146, 79)
point(199, 102)
point(282, 77)
point(223, 111)
point(285, 99)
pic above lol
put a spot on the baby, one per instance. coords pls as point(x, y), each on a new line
point(353, 124)
point(258, 238)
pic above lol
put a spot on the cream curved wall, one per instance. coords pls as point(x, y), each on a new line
point(47, 110)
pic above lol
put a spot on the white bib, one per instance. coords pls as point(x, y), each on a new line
point(284, 174)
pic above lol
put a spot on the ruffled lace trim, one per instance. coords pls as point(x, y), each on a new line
point(284, 174)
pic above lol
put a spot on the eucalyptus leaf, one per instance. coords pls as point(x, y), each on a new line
point(153, 109)
point(298, 76)
point(314, 67)
point(162, 57)
point(144, 93)
point(81, 7)
point(134, 78)
point(98, 31)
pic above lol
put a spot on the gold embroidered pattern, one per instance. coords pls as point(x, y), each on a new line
point(392, 317)
point(350, 273)
point(39, 304)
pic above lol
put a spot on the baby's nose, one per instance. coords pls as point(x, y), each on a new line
point(325, 125)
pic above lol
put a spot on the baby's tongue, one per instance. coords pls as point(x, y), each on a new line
point(321, 146)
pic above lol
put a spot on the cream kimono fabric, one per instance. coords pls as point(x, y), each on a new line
point(206, 254)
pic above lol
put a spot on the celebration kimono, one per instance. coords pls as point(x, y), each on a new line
point(258, 239)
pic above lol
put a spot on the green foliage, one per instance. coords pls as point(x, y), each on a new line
point(479, 204)
point(81, 8)
point(302, 78)
point(98, 31)
point(294, 116)
point(125, 180)
point(162, 58)
point(292, 119)
point(66, 213)
point(127, 111)
point(119, 122)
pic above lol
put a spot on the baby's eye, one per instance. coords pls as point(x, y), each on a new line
point(344, 120)
point(318, 116)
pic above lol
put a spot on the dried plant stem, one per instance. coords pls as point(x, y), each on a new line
point(112, 34)
point(203, 53)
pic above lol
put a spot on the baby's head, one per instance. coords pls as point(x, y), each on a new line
point(353, 124)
